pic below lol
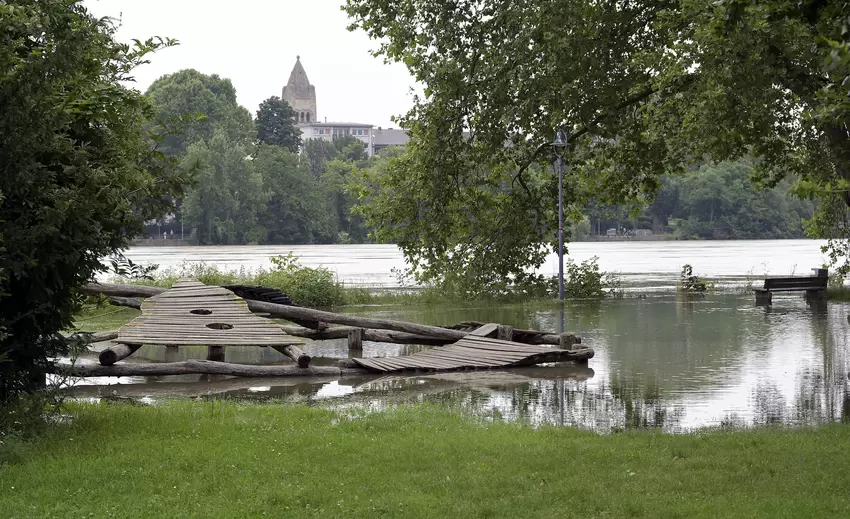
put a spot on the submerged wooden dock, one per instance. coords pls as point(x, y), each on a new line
point(192, 314)
point(472, 352)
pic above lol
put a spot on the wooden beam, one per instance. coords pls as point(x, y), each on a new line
point(341, 332)
point(116, 352)
point(486, 330)
point(92, 337)
point(215, 353)
point(505, 332)
point(355, 339)
point(296, 354)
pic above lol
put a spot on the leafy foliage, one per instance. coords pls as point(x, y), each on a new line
point(306, 286)
point(296, 210)
point(124, 267)
point(643, 88)
point(80, 172)
point(276, 124)
point(210, 97)
point(691, 283)
point(222, 208)
point(585, 281)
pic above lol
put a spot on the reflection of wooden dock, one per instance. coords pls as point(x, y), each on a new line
point(474, 352)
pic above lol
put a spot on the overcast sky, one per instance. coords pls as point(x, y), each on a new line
point(254, 43)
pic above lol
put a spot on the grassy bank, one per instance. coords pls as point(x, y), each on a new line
point(225, 459)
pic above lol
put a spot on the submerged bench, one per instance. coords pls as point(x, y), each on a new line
point(813, 286)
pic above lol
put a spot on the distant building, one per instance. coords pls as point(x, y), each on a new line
point(327, 132)
point(301, 96)
point(385, 138)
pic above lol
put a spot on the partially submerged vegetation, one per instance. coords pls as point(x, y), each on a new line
point(320, 287)
point(293, 461)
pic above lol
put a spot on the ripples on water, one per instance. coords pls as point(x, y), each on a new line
point(660, 362)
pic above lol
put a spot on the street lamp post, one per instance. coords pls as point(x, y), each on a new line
point(560, 147)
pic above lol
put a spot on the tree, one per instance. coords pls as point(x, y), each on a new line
point(222, 207)
point(643, 89)
point(209, 96)
point(335, 182)
point(297, 211)
point(276, 124)
point(79, 172)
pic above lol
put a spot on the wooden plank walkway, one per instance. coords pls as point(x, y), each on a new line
point(473, 352)
point(194, 314)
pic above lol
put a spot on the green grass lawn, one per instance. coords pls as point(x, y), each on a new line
point(230, 459)
point(104, 319)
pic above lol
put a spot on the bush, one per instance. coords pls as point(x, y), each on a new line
point(80, 173)
point(585, 281)
point(690, 283)
point(306, 286)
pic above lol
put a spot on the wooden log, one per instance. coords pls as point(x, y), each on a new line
point(505, 332)
point(295, 353)
point(355, 339)
point(352, 320)
point(341, 332)
point(121, 290)
point(92, 337)
point(116, 352)
point(215, 353)
point(130, 302)
point(189, 367)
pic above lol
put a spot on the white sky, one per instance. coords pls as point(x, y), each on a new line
point(254, 44)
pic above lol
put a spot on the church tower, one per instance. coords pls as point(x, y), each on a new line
point(300, 94)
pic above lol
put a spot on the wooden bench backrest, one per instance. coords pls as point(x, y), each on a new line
point(815, 282)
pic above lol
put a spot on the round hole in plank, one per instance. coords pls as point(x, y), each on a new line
point(220, 326)
point(200, 311)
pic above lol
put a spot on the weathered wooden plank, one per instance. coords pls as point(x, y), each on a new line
point(204, 342)
point(376, 364)
point(489, 354)
point(473, 354)
point(355, 339)
point(458, 358)
point(394, 362)
point(487, 329)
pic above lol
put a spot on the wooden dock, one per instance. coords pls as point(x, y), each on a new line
point(191, 313)
point(473, 352)
point(194, 314)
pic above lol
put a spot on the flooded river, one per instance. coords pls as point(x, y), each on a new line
point(647, 264)
point(661, 360)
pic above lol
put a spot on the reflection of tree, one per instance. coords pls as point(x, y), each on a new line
point(769, 405)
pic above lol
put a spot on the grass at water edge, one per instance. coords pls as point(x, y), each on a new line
point(228, 459)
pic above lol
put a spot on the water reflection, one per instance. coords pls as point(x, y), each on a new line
point(661, 362)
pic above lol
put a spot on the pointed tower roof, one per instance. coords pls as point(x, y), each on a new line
point(298, 83)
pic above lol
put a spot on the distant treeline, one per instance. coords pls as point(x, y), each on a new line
point(255, 181)
point(713, 202)
point(258, 183)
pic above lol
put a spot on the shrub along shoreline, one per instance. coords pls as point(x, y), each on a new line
point(223, 458)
